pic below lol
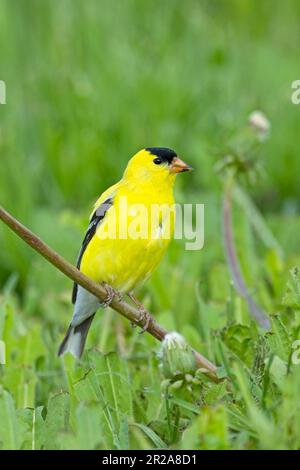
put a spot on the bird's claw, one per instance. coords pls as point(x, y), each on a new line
point(144, 318)
point(111, 294)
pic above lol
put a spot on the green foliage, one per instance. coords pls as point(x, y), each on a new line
point(89, 84)
point(122, 401)
point(292, 294)
point(209, 431)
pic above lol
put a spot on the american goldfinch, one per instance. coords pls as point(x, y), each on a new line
point(123, 259)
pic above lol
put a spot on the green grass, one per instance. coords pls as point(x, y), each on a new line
point(88, 84)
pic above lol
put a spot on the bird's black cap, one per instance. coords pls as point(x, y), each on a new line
point(162, 152)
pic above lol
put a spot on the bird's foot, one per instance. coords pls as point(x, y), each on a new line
point(144, 316)
point(111, 294)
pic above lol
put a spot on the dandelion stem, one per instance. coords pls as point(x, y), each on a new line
point(233, 262)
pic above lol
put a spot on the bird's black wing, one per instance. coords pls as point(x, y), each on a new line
point(96, 219)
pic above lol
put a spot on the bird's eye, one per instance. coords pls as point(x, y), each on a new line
point(157, 161)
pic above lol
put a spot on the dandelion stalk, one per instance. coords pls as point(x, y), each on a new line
point(231, 254)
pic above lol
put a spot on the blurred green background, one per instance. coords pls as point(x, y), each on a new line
point(91, 82)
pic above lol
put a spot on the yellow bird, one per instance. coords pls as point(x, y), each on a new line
point(130, 229)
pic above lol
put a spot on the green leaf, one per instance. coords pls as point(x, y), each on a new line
point(12, 430)
point(262, 424)
point(88, 432)
point(209, 431)
point(291, 297)
point(278, 371)
point(240, 339)
point(112, 375)
point(32, 419)
point(157, 441)
point(215, 393)
point(56, 422)
point(21, 381)
point(257, 220)
point(108, 384)
point(279, 340)
point(186, 405)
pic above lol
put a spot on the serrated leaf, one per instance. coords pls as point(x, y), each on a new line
point(112, 375)
point(291, 297)
point(279, 340)
point(240, 339)
point(56, 422)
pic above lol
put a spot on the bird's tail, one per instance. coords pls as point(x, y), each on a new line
point(75, 338)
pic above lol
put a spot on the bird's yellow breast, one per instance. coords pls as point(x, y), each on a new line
point(133, 236)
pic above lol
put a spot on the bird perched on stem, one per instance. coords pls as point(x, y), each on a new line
point(130, 229)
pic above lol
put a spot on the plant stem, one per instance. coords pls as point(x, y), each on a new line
point(233, 262)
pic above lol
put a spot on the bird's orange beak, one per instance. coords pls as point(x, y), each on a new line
point(179, 166)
